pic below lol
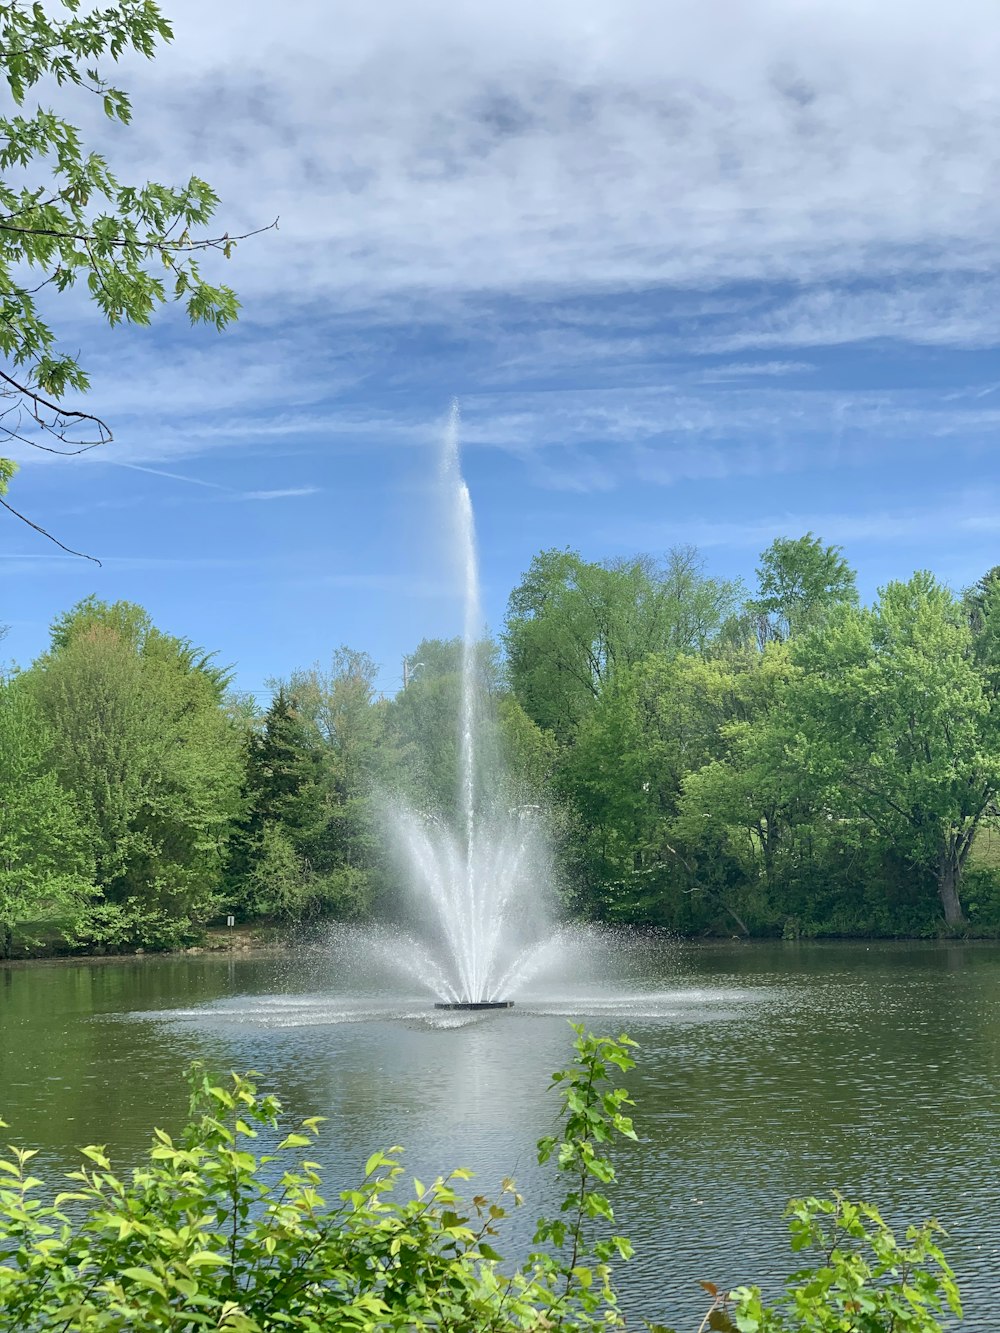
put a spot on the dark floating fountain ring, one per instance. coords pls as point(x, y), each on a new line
point(475, 1004)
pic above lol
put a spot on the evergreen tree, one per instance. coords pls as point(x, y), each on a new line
point(295, 853)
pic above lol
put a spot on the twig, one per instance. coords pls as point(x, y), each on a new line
point(68, 549)
point(121, 243)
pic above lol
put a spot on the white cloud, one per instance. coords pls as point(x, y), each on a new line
point(592, 439)
point(523, 177)
point(159, 472)
point(952, 310)
point(289, 492)
point(442, 148)
point(739, 370)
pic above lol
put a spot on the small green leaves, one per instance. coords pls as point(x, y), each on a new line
point(295, 1141)
point(865, 1279)
point(74, 217)
point(591, 1118)
point(376, 1160)
point(143, 1277)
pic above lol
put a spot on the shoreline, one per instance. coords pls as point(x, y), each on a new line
point(273, 942)
point(215, 942)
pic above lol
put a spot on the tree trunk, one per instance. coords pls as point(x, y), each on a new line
point(738, 919)
point(949, 874)
point(6, 939)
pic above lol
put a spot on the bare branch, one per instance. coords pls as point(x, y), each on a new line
point(55, 540)
point(61, 420)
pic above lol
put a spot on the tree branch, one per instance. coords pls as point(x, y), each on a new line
point(62, 418)
point(55, 540)
point(121, 243)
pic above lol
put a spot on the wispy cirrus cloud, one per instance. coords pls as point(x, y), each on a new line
point(741, 370)
point(960, 514)
point(161, 472)
point(947, 310)
point(285, 493)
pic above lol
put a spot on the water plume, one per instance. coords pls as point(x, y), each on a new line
point(478, 883)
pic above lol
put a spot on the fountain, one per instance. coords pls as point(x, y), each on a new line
point(482, 933)
point(478, 882)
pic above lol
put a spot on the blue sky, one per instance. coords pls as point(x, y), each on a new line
point(701, 273)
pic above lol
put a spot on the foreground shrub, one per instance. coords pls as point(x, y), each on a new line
point(209, 1235)
point(866, 1282)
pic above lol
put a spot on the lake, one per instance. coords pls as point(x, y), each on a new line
point(766, 1070)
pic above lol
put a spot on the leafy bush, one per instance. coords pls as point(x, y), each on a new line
point(981, 891)
point(210, 1235)
point(866, 1282)
point(121, 927)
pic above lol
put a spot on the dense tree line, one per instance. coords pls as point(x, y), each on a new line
point(783, 762)
point(789, 762)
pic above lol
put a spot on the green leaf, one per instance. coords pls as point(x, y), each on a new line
point(205, 1259)
point(144, 1277)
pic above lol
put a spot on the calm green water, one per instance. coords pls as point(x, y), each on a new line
point(766, 1071)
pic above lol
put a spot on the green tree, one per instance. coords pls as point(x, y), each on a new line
point(980, 600)
point(981, 604)
point(46, 868)
point(530, 754)
point(133, 626)
point(277, 881)
point(145, 745)
point(895, 716)
point(656, 725)
point(306, 844)
point(622, 776)
point(423, 720)
point(66, 219)
point(571, 625)
point(283, 771)
point(282, 804)
point(799, 582)
point(342, 706)
point(354, 755)
point(747, 794)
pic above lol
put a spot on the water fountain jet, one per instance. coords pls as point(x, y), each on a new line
point(479, 881)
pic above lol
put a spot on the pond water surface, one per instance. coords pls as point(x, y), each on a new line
point(765, 1071)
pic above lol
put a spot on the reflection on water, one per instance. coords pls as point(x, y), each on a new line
point(766, 1070)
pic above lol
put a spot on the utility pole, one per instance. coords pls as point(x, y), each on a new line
point(409, 667)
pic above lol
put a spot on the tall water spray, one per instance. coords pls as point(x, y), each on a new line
point(478, 883)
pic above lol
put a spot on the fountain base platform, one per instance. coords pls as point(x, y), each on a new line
point(475, 1004)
